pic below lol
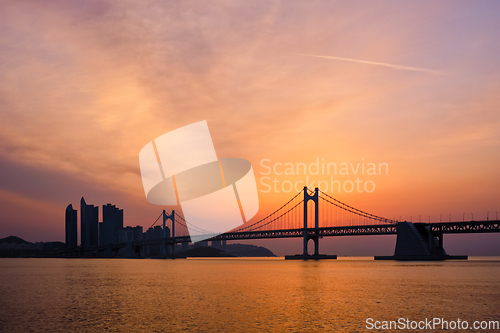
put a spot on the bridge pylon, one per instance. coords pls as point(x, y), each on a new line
point(311, 233)
point(166, 217)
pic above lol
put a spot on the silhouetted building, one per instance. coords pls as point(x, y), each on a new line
point(71, 228)
point(138, 233)
point(130, 234)
point(111, 225)
point(89, 223)
point(155, 233)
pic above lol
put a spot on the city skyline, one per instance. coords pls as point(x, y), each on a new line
point(105, 232)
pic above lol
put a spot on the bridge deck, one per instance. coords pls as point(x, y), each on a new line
point(363, 230)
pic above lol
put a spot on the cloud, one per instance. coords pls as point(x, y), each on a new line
point(400, 67)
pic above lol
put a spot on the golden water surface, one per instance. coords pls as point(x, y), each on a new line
point(239, 295)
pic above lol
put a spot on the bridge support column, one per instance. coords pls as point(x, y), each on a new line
point(418, 242)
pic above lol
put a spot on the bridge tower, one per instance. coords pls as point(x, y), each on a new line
point(306, 236)
point(166, 217)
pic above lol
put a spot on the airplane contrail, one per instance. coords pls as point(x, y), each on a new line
point(405, 68)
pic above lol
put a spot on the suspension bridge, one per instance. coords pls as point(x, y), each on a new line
point(313, 215)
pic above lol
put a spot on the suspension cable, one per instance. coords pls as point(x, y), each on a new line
point(359, 213)
point(186, 223)
point(355, 210)
point(268, 216)
point(276, 218)
point(156, 220)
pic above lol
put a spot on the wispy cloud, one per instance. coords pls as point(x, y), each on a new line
point(400, 67)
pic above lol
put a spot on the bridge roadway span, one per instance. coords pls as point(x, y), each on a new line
point(364, 230)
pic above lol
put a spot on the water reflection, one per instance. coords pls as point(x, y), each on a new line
point(83, 295)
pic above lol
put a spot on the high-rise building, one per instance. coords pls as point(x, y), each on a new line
point(71, 228)
point(130, 234)
point(155, 233)
point(112, 223)
point(138, 234)
point(89, 223)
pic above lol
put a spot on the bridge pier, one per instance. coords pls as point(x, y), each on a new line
point(418, 242)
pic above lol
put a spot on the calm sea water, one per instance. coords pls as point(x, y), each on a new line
point(239, 295)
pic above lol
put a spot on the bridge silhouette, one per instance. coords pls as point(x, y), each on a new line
point(313, 215)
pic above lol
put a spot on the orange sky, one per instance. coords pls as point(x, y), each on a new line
point(85, 85)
